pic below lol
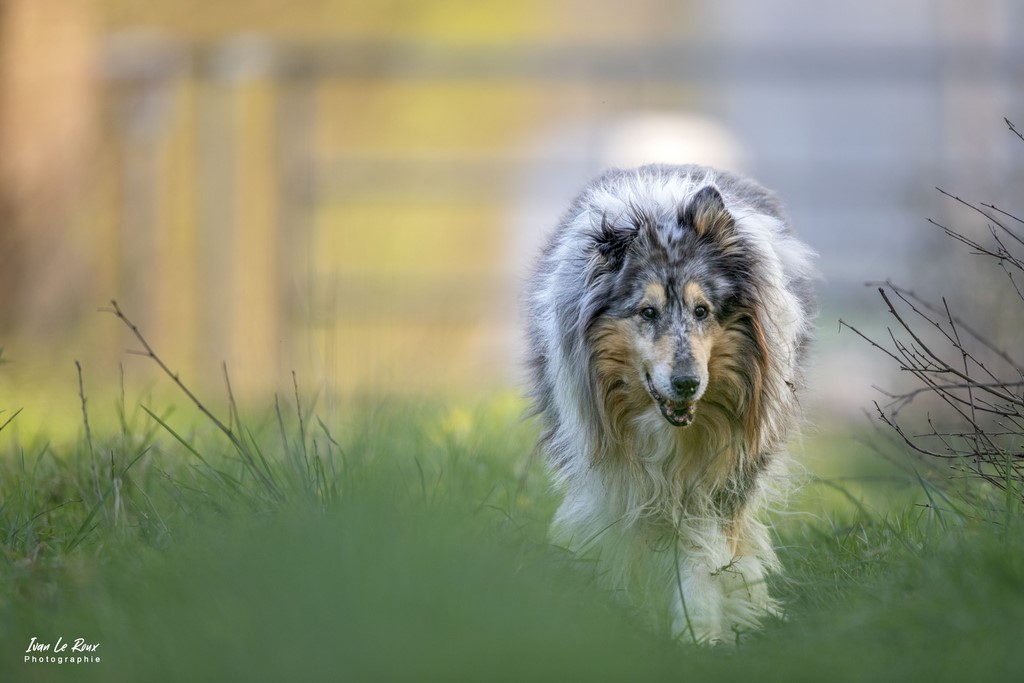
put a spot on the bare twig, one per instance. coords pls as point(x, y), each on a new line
point(980, 337)
point(242, 448)
point(1005, 213)
point(972, 207)
point(1013, 128)
point(977, 386)
point(945, 367)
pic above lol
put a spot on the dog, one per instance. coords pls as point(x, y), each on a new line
point(669, 319)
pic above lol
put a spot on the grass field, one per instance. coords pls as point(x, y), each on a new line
point(404, 540)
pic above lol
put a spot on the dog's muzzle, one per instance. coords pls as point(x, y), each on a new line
point(677, 413)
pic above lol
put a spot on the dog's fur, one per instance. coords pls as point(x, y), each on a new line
point(669, 317)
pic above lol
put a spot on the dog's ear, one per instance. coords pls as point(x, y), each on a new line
point(707, 215)
point(613, 243)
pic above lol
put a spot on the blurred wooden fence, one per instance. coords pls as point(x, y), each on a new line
point(264, 214)
point(345, 211)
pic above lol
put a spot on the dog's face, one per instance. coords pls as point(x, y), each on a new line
point(672, 337)
point(668, 322)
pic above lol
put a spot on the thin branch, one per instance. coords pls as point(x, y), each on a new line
point(951, 387)
point(1005, 213)
point(924, 303)
point(1013, 128)
point(1009, 398)
point(150, 353)
point(227, 431)
point(910, 442)
point(972, 207)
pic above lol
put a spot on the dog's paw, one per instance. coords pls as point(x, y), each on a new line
point(700, 629)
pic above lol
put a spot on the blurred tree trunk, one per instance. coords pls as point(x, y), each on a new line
point(47, 116)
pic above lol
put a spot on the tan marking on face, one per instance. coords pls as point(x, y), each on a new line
point(694, 294)
point(654, 295)
point(704, 336)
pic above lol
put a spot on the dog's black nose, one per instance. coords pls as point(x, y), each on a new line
point(685, 386)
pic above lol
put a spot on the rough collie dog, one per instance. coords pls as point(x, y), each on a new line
point(669, 317)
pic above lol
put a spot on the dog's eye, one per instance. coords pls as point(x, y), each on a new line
point(700, 312)
point(648, 313)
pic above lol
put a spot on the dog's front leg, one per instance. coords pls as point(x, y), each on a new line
point(698, 602)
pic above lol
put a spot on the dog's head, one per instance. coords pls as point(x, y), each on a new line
point(675, 319)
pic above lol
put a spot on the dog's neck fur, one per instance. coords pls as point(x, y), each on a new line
point(674, 472)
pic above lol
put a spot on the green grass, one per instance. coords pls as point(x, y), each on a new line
point(405, 540)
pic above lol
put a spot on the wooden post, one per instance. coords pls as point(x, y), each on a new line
point(47, 118)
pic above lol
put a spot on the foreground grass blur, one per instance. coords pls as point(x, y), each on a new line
point(405, 541)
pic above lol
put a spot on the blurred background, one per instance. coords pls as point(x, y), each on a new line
point(353, 190)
